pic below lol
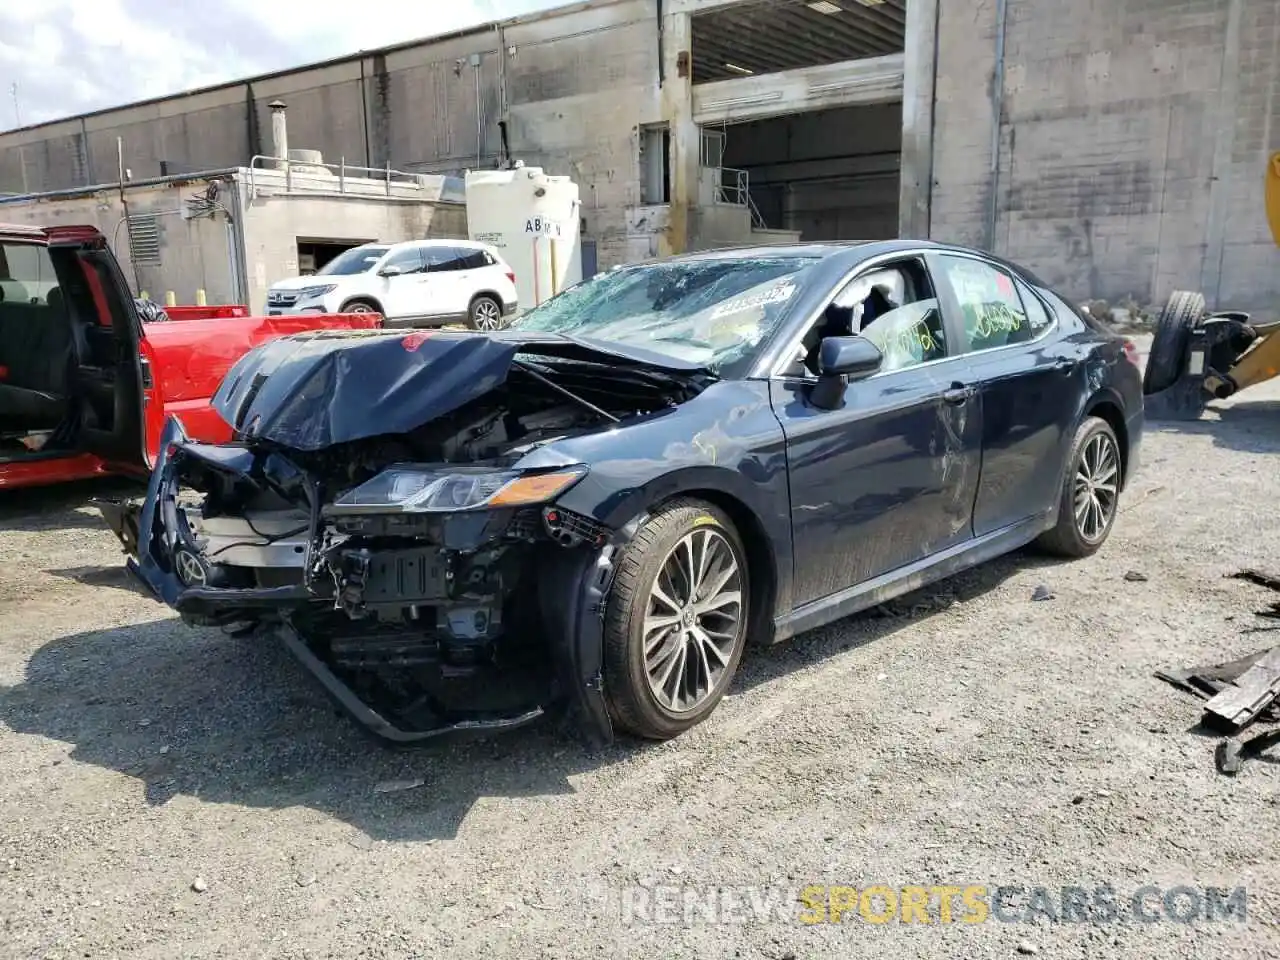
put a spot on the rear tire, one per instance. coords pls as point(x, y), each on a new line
point(670, 653)
point(485, 313)
point(361, 305)
point(1172, 340)
point(1090, 497)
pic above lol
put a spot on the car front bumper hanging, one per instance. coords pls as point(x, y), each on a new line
point(573, 589)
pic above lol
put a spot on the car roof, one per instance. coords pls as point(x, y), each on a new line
point(431, 242)
point(850, 253)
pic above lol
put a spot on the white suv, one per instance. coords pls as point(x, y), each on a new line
point(418, 283)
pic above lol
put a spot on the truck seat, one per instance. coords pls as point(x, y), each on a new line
point(37, 355)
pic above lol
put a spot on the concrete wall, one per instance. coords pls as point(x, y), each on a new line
point(1132, 146)
point(574, 86)
point(832, 174)
point(194, 254)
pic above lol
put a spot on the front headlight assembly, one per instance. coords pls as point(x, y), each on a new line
point(310, 293)
point(407, 488)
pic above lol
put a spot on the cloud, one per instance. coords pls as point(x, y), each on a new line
point(69, 56)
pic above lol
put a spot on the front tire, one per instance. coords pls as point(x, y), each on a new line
point(360, 305)
point(676, 621)
point(1090, 497)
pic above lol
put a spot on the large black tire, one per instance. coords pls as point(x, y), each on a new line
point(485, 313)
point(1067, 538)
point(361, 305)
point(1172, 340)
point(632, 703)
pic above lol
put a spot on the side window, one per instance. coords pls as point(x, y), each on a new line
point(1038, 318)
point(994, 312)
point(26, 273)
point(408, 260)
point(894, 307)
point(446, 259)
point(474, 260)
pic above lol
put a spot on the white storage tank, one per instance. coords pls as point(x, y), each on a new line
point(532, 220)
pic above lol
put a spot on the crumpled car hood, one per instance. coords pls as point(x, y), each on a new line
point(312, 390)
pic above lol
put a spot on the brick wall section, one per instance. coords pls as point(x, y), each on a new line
point(1130, 164)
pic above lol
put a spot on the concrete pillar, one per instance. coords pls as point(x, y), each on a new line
point(920, 63)
point(677, 111)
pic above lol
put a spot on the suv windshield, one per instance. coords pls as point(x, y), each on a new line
point(355, 260)
point(715, 312)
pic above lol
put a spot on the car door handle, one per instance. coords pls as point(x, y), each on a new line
point(957, 393)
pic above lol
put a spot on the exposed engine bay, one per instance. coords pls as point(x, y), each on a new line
point(411, 569)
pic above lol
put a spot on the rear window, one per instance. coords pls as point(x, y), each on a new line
point(26, 273)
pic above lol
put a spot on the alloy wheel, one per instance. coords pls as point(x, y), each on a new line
point(693, 620)
point(359, 308)
point(487, 315)
point(1097, 487)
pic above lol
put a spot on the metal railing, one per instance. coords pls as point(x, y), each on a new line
point(733, 187)
point(303, 176)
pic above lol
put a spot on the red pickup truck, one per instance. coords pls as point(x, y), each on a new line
point(85, 385)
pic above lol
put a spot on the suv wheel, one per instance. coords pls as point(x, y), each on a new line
point(485, 314)
point(360, 306)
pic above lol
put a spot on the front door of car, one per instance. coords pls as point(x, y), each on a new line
point(403, 278)
point(888, 478)
point(1031, 384)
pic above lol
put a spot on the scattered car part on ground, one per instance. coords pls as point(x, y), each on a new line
point(600, 507)
point(1252, 692)
point(415, 283)
point(1206, 682)
point(1231, 753)
point(1239, 693)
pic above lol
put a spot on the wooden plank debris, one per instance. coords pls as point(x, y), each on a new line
point(1239, 705)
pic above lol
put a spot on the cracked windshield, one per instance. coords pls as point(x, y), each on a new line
point(713, 312)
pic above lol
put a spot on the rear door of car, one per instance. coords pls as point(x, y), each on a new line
point(888, 479)
point(1031, 381)
point(451, 270)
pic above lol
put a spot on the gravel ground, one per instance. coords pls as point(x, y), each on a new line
point(975, 738)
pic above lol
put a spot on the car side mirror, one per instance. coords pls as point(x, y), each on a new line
point(390, 270)
point(841, 359)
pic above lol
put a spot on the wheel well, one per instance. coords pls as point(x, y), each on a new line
point(1109, 411)
point(761, 563)
point(486, 293)
point(372, 301)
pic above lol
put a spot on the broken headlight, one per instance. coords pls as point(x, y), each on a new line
point(406, 488)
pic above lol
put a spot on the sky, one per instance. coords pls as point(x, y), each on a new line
point(68, 57)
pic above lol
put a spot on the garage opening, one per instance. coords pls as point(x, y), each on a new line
point(829, 174)
point(755, 37)
point(314, 254)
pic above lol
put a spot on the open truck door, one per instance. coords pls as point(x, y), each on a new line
point(72, 400)
point(113, 373)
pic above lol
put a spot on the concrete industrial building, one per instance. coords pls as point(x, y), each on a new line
point(1117, 148)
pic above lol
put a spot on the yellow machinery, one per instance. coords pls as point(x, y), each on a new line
point(1197, 356)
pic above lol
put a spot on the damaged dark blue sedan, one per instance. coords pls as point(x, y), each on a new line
point(601, 507)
